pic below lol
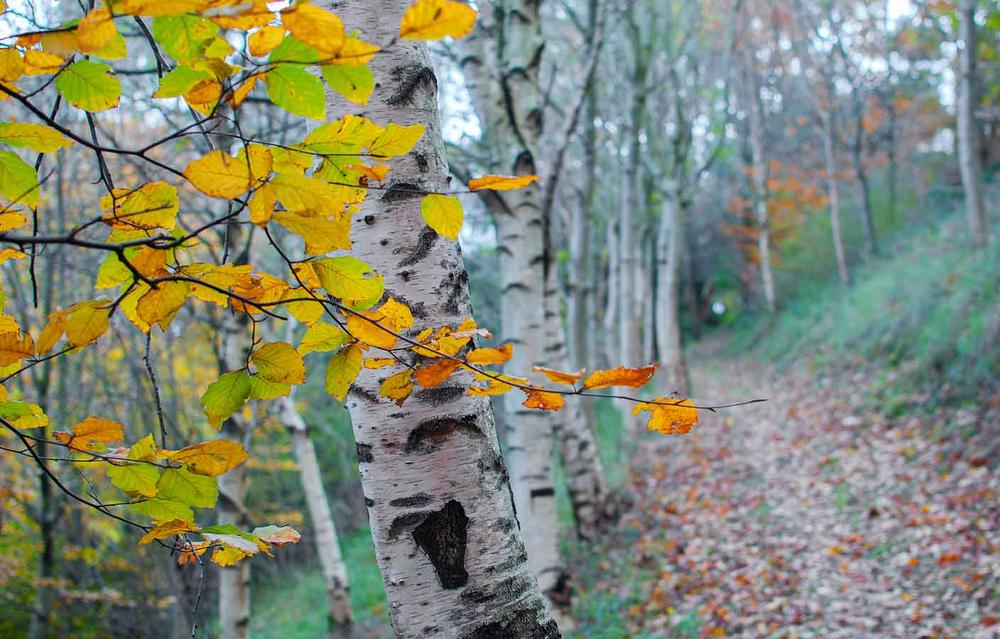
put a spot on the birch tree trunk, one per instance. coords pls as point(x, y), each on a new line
point(507, 46)
point(438, 494)
point(833, 192)
point(968, 129)
point(668, 331)
point(234, 581)
point(611, 299)
point(758, 170)
point(325, 530)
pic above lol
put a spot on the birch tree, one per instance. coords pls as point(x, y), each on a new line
point(969, 133)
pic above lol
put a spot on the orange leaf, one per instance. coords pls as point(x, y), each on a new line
point(90, 432)
point(621, 376)
point(542, 399)
point(501, 182)
point(167, 530)
point(670, 416)
point(397, 387)
point(436, 374)
point(559, 377)
point(485, 356)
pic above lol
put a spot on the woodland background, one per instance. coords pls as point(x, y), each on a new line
point(765, 197)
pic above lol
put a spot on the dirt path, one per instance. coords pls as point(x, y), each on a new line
point(804, 518)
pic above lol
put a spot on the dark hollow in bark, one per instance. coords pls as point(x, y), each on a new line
point(521, 623)
point(443, 535)
point(431, 433)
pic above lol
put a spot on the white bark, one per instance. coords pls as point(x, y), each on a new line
point(438, 494)
point(758, 170)
point(833, 192)
point(970, 161)
point(673, 367)
point(502, 77)
point(324, 529)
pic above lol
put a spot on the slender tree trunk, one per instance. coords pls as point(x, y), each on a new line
point(861, 174)
point(668, 331)
point(969, 157)
point(325, 530)
point(614, 269)
point(234, 581)
point(758, 170)
point(830, 158)
point(438, 494)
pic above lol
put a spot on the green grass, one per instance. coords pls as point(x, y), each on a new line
point(293, 605)
point(926, 322)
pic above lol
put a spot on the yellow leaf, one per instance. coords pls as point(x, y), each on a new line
point(52, 333)
point(308, 195)
point(261, 204)
point(279, 362)
point(152, 205)
point(486, 356)
point(243, 16)
point(342, 370)
point(226, 556)
point(87, 322)
point(375, 363)
point(96, 30)
point(560, 377)
point(220, 175)
point(443, 213)
point(93, 433)
point(33, 136)
point(306, 309)
point(395, 140)
point(15, 346)
point(495, 385)
point(669, 415)
point(211, 458)
point(11, 64)
point(161, 304)
point(379, 328)
point(322, 337)
point(321, 233)
point(167, 530)
point(435, 19)
point(316, 27)
point(501, 182)
point(10, 220)
point(349, 279)
point(542, 399)
point(263, 41)
point(621, 376)
point(11, 254)
point(397, 387)
point(41, 63)
point(436, 374)
point(240, 92)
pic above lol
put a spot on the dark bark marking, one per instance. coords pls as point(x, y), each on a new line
point(408, 80)
point(369, 502)
point(423, 248)
point(542, 492)
point(403, 522)
point(522, 622)
point(364, 394)
point(443, 535)
point(420, 499)
point(440, 394)
point(365, 454)
point(431, 433)
point(402, 191)
point(422, 163)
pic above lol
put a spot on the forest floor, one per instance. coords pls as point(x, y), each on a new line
point(806, 516)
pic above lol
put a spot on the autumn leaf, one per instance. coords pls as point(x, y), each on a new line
point(211, 458)
point(168, 529)
point(36, 137)
point(443, 213)
point(93, 433)
point(15, 346)
point(89, 85)
point(96, 30)
point(435, 19)
point(379, 327)
point(152, 205)
point(621, 376)
point(277, 535)
point(218, 174)
point(669, 415)
point(87, 321)
point(279, 362)
point(264, 40)
point(322, 337)
point(349, 279)
point(227, 556)
point(397, 387)
point(163, 509)
point(436, 374)
point(501, 182)
point(559, 377)
point(161, 304)
point(342, 370)
point(186, 487)
point(395, 140)
point(542, 399)
point(487, 356)
point(134, 477)
point(314, 26)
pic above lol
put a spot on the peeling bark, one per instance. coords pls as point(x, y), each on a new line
point(438, 494)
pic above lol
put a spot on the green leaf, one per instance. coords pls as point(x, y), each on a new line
point(293, 51)
point(37, 137)
point(443, 213)
point(185, 38)
point(322, 337)
point(225, 396)
point(180, 81)
point(355, 83)
point(349, 279)
point(279, 362)
point(89, 86)
point(180, 484)
point(164, 510)
point(23, 414)
point(261, 388)
point(297, 91)
point(18, 180)
point(135, 477)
